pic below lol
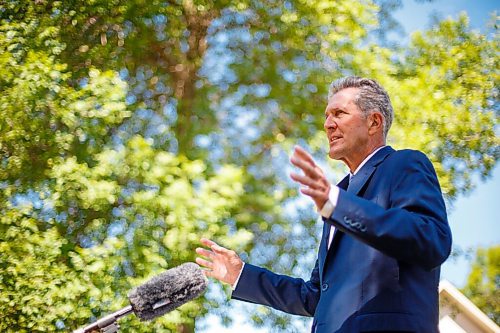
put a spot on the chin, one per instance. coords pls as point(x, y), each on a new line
point(334, 154)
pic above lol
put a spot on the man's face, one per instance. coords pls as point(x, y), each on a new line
point(346, 127)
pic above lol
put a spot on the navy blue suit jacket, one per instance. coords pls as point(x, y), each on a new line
point(381, 272)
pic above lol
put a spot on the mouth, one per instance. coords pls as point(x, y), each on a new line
point(333, 139)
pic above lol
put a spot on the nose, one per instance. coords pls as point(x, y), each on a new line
point(330, 122)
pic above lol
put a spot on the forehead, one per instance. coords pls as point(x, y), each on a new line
point(343, 98)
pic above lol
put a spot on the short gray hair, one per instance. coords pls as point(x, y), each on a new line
point(371, 97)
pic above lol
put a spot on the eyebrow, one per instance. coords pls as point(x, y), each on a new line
point(333, 109)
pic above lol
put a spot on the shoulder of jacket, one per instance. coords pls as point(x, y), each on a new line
point(409, 153)
point(408, 157)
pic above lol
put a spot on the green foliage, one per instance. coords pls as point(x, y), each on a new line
point(83, 222)
point(129, 129)
point(456, 67)
point(483, 283)
point(43, 114)
point(444, 87)
point(129, 231)
point(43, 286)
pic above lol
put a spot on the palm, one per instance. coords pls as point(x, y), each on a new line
point(222, 265)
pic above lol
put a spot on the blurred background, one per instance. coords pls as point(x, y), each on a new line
point(130, 129)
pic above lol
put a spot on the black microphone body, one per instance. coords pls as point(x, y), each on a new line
point(163, 293)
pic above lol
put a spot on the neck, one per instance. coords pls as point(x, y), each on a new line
point(359, 156)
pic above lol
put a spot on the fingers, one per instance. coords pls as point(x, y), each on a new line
point(204, 252)
point(209, 274)
point(313, 187)
point(303, 154)
point(220, 250)
point(312, 192)
point(304, 180)
point(304, 161)
point(218, 262)
point(204, 263)
point(307, 167)
point(319, 171)
point(214, 246)
point(314, 182)
point(207, 242)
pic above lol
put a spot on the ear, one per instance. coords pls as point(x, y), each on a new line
point(375, 123)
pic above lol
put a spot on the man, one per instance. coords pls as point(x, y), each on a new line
point(385, 231)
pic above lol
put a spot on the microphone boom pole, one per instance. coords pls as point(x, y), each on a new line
point(107, 324)
point(161, 294)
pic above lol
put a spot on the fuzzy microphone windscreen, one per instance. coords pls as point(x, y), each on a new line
point(167, 291)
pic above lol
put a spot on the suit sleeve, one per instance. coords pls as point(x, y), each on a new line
point(284, 293)
point(414, 227)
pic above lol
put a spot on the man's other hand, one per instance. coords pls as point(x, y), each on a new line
point(220, 263)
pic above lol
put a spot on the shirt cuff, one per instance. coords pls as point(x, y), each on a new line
point(331, 203)
point(233, 287)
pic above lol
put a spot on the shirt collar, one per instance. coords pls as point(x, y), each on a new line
point(364, 161)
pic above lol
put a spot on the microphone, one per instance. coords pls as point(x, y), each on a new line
point(161, 294)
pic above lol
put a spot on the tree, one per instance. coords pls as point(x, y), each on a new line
point(129, 129)
point(84, 220)
point(483, 282)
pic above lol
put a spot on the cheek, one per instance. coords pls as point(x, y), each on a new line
point(356, 132)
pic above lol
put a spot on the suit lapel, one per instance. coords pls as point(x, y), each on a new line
point(353, 186)
point(359, 180)
point(344, 183)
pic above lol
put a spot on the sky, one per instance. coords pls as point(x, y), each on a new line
point(415, 15)
point(473, 218)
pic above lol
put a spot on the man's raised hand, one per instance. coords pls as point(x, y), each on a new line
point(315, 184)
